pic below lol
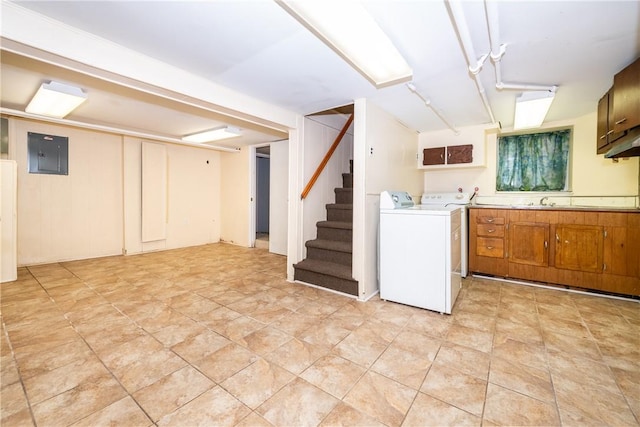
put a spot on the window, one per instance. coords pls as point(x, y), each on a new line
point(534, 162)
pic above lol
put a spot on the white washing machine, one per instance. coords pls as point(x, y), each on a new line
point(419, 252)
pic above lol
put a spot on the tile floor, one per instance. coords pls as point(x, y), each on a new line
point(214, 335)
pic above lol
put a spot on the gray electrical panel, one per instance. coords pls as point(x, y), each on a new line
point(48, 154)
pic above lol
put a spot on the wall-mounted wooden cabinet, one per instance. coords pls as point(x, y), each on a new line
point(626, 98)
point(606, 135)
point(450, 155)
point(619, 108)
point(584, 249)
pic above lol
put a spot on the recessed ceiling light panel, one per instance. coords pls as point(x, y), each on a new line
point(348, 29)
point(532, 108)
point(55, 99)
point(212, 135)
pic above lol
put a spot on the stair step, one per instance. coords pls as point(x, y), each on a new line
point(344, 195)
point(327, 275)
point(340, 212)
point(330, 245)
point(347, 180)
point(340, 231)
point(330, 250)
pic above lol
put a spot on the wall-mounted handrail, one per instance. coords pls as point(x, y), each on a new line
point(326, 158)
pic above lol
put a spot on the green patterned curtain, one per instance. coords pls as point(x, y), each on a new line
point(533, 162)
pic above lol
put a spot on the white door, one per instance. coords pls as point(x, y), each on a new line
point(8, 225)
point(278, 203)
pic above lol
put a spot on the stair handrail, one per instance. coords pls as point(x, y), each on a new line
point(326, 158)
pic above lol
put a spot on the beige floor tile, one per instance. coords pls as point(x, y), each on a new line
point(582, 400)
point(78, 403)
point(123, 412)
point(402, 366)
point(297, 404)
point(296, 355)
point(464, 359)
point(381, 398)
point(214, 407)
point(472, 338)
point(199, 346)
point(506, 407)
point(446, 384)
point(257, 382)
point(48, 384)
point(532, 382)
point(361, 347)
point(326, 334)
point(162, 324)
point(582, 370)
point(13, 400)
point(254, 420)
point(344, 415)
point(172, 391)
point(266, 340)
point(226, 362)
point(529, 354)
point(427, 411)
point(333, 374)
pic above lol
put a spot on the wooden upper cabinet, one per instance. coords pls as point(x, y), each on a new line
point(579, 247)
point(626, 98)
point(457, 154)
point(529, 243)
point(605, 132)
point(433, 156)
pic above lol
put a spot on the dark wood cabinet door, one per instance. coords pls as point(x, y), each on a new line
point(433, 156)
point(626, 98)
point(457, 154)
point(603, 124)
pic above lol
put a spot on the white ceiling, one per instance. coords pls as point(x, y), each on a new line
point(256, 48)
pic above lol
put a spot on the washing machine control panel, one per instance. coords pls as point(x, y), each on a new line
point(395, 200)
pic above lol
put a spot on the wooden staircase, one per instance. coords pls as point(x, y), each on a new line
point(329, 256)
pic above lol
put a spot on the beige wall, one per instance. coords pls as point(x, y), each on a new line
point(386, 149)
point(74, 216)
point(96, 210)
point(591, 174)
point(235, 196)
point(193, 194)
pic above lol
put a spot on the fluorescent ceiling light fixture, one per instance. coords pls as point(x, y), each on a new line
point(212, 135)
point(55, 99)
point(348, 29)
point(532, 108)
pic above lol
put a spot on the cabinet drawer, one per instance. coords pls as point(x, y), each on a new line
point(490, 220)
point(490, 230)
point(490, 247)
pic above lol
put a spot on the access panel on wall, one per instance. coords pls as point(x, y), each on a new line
point(48, 154)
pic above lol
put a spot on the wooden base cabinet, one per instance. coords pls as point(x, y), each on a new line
point(487, 241)
point(583, 249)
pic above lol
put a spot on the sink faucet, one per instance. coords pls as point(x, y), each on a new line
point(543, 201)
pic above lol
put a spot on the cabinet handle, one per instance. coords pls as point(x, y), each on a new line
point(489, 219)
point(604, 267)
point(489, 247)
point(609, 133)
point(603, 136)
point(491, 231)
point(622, 120)
point(546, 244)
point(557, 238)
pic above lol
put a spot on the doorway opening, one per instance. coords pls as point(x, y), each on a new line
point(263, 177)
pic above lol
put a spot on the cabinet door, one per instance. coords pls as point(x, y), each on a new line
point(529, 243)
point(579, 247)
point(457, 154)
point(433, 156)
point(602, 124)
point(626, 100)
